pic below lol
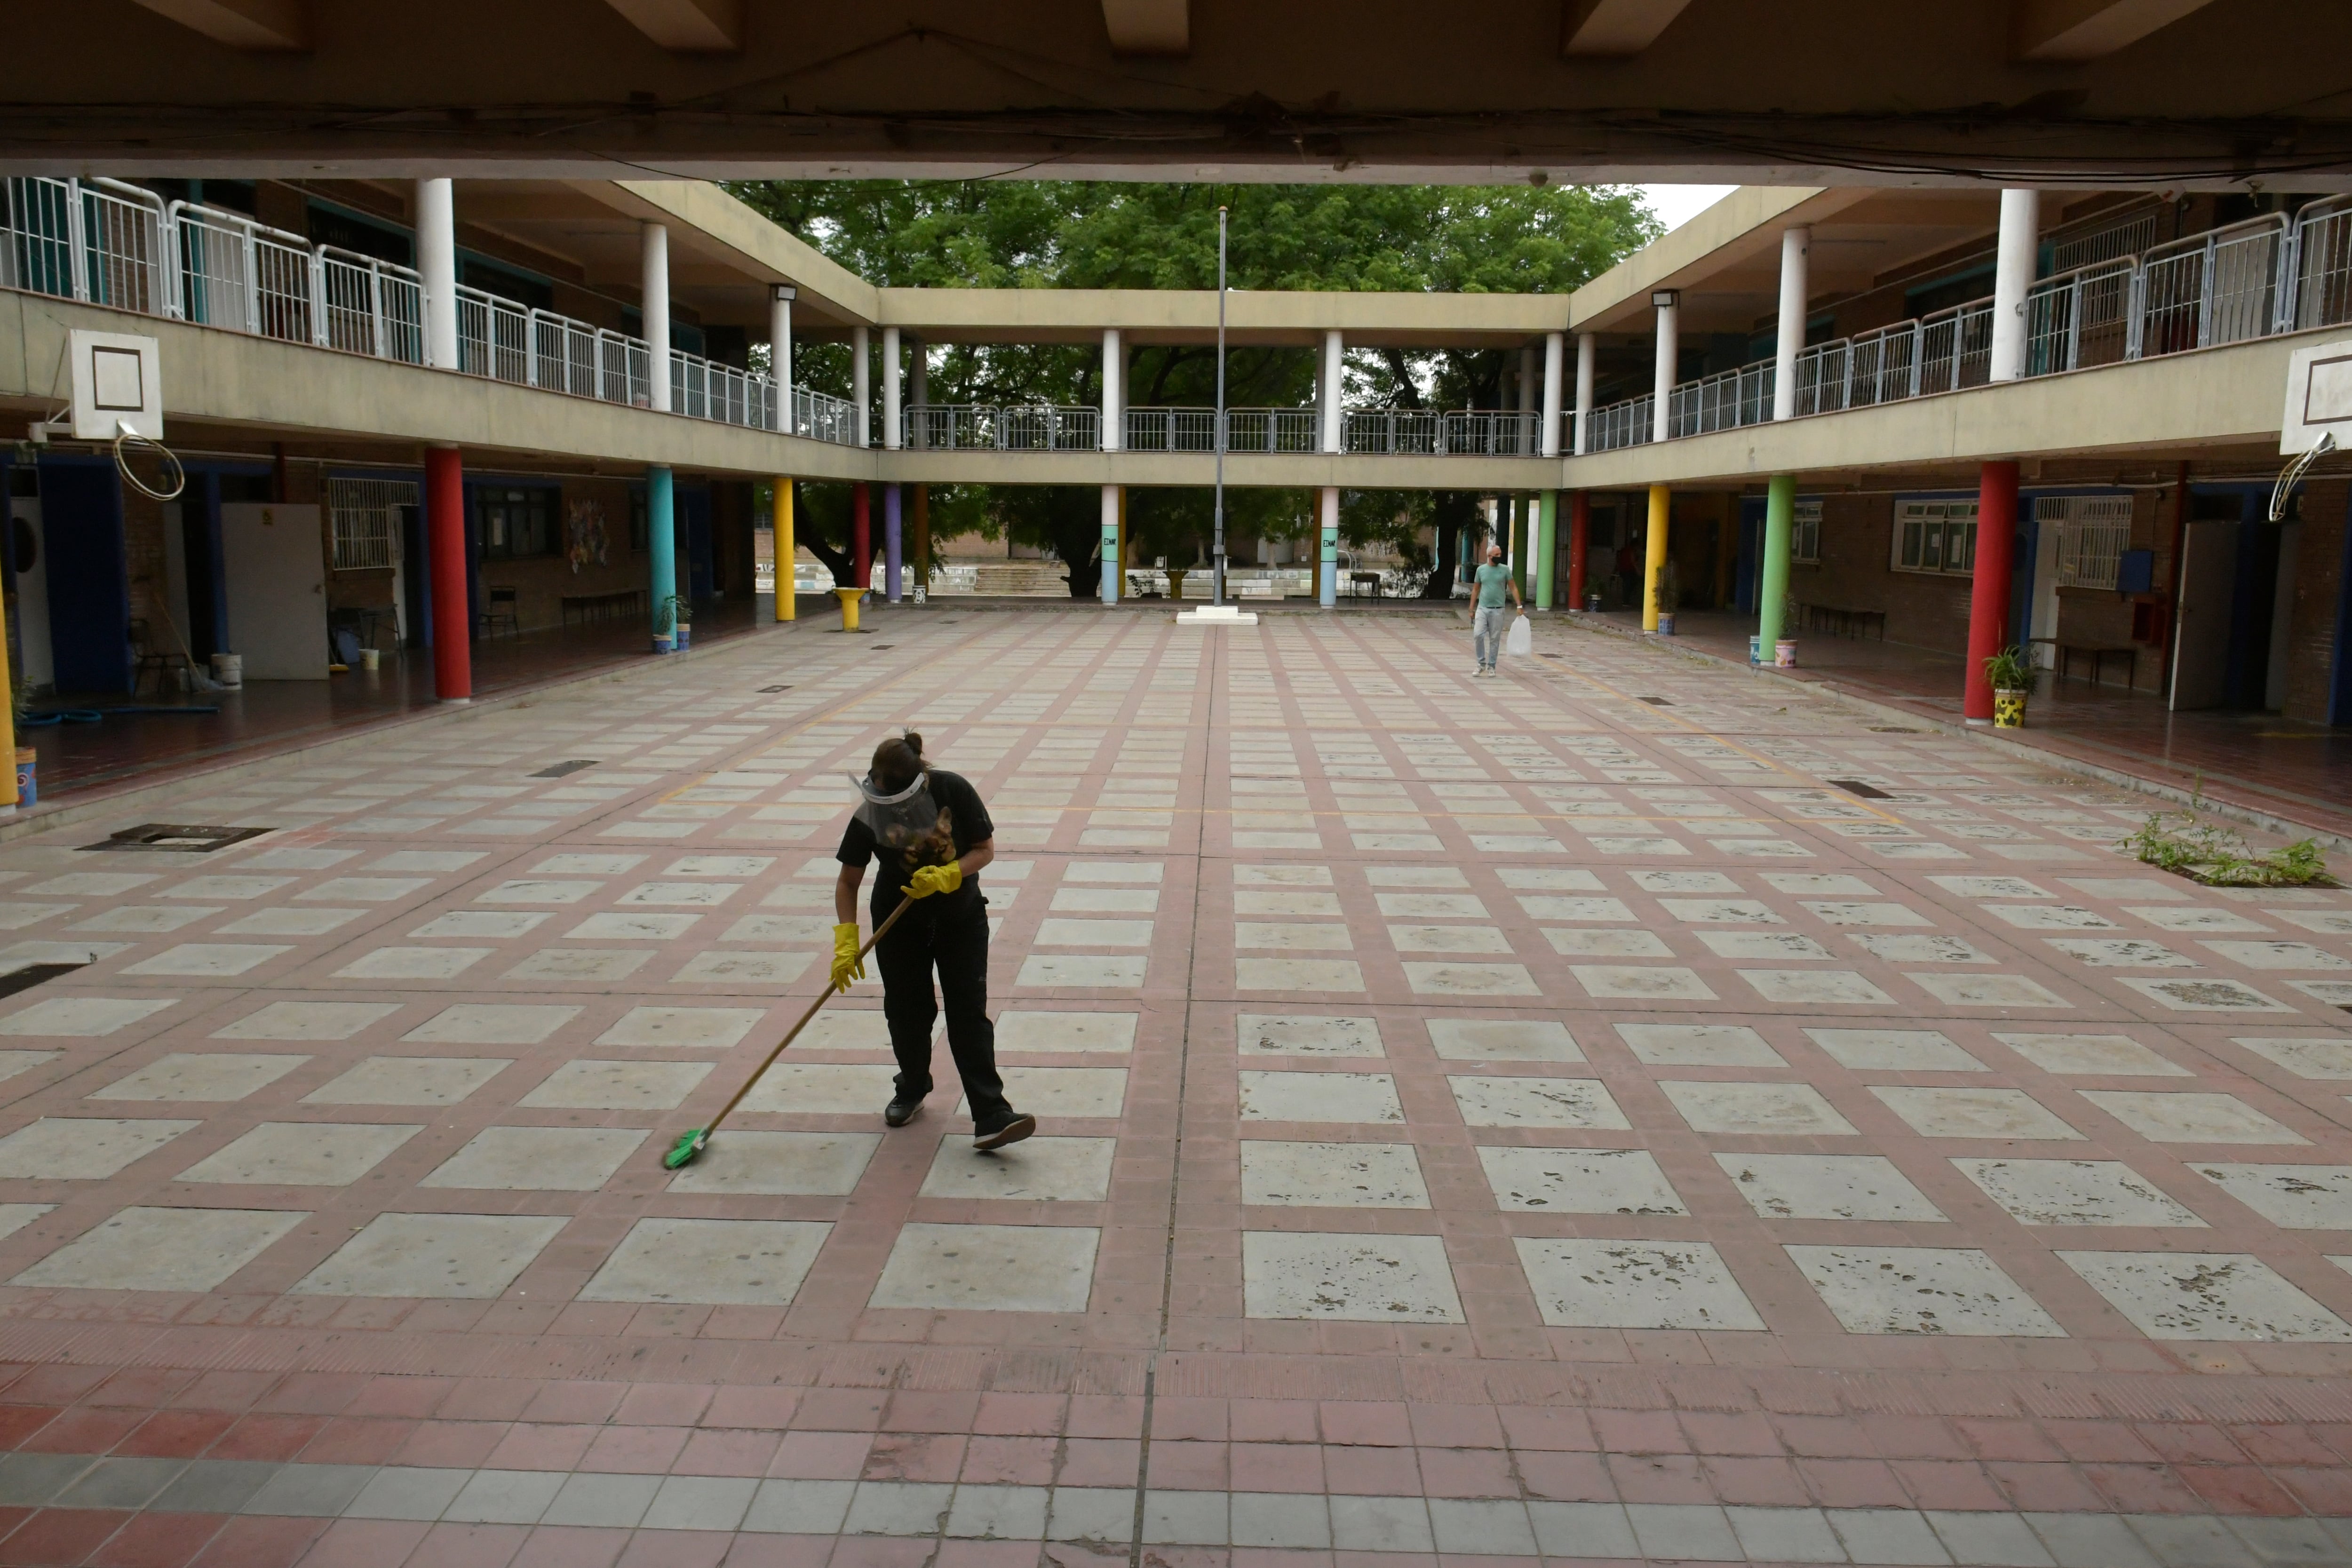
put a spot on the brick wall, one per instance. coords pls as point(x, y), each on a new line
point(1857, 534)
point(541, 581)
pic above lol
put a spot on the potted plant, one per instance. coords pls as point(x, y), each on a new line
point(2012, 674)
point(681, 620)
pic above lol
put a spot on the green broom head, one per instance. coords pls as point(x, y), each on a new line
point(687, 1146)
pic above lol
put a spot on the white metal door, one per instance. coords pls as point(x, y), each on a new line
point(276, 584)
point(2201, 657)
point(2282, 618)
point(32, 605)
point(2045, 624)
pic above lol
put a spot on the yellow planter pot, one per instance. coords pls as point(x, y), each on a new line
point(2009, 710)
point(849, 597)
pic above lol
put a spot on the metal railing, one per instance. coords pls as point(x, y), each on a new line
point(1490, 433)
point(1631, 423)
point(107, 243)
point(1881, 366)
point(2323, 263)
point(2081, 318)
point(1724, 401)
point(972, 426)
point(2224, 286)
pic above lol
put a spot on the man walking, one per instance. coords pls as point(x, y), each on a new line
point(1486, 623)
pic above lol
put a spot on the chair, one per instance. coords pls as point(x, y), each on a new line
point(147, 657)
point(503, 608)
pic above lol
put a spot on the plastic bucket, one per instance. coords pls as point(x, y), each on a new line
point(228, 669)
point(1665, 623)
point(371, 659)
point(28, 777)
point(1754, 651)
point(1784, 654)
point(685, 635)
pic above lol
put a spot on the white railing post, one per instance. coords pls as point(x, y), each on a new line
point(2012, 281)
point(2205, 294)
point(77, 260)
point(1667, 303)
point(1789, 336)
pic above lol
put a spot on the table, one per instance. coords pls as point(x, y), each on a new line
point(2099, 654)
point(1359, 581)
point(605, 607)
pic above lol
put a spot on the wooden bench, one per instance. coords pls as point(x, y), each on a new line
point(1359, 581)
point(1839, 621)
point(2098, 654)
point(622, 602)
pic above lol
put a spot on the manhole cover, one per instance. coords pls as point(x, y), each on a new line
point(1856, 786)
point(177, 836)
point(560, 769)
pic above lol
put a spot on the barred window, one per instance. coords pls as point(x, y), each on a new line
point(1937, 536)
point(1805, 534)
point(2094, 532)
point(362, 516)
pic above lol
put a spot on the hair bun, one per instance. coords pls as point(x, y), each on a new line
point(914, 743)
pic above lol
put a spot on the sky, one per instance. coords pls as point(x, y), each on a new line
point(1677, 205)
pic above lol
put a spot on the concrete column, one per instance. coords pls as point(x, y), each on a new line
point(861, 537)
point(661, 545)
point(1555, 353)
point(1772, 580)
point(892, 542)
point(780, 520)
point(1334, 422)
point(1668, 303)
point(779, 350)
point(436, 263)
point(1989, 582)
point(919, 558)
point(1109, 585)
point(1114, 398)
point(1653, 567)
point(1526, 395)
point(1547, 549)
point(861, 384)
point(2013, 263)
point(894, 424)
point(1579, 545)
point(1587, 345)
point(918, 389)
point(654, 308)
point(1326, 556)
point(1796, 254)
point(444, 571)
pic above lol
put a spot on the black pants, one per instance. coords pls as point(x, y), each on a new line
point(955, 941)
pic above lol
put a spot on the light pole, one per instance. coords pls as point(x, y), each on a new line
point(1217, 550)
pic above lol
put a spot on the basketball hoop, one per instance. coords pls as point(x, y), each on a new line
point(2292, 475)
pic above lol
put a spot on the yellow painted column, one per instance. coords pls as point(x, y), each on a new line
point(1654, 569)
point(781, 522)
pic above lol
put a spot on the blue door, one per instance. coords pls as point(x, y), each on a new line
point(89, 592)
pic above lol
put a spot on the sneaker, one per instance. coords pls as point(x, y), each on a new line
point(1007, 1126)
point(898, 1112)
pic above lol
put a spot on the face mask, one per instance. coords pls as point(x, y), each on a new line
point(907, 821)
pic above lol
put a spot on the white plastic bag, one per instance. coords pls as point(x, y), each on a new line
point(1521, 639)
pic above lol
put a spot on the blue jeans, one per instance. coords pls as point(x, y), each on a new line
point(1486, 635)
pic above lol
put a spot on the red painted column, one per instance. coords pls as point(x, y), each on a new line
point(1989, 584)
point(444, 553)
point(861, 536)
point(1579, 530)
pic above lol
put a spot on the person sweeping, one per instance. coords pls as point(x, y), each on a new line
point(933, 836)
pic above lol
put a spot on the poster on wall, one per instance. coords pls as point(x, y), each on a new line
point(583, 533)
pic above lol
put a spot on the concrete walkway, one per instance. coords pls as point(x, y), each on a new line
point(1607, 1112)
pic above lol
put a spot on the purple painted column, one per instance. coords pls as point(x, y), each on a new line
point(891, 541)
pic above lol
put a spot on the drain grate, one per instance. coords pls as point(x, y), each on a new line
point(1856, 786)
point(1655, 701)
point(178, 837)
point(561, 769)
point(882, 647)
point(1895, 730)
point(33, 974)
point(769, 690)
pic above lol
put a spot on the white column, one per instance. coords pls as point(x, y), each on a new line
point(1796, 251)
point(779, 350)
point(1668, 303)
point(893, 426)
point(653, 310)
point(1555, 353)
point(861, 383)
point(1332, 379)
point(1587, 346)
point(437, 261)
point(1114, 401)
point(2013, 263)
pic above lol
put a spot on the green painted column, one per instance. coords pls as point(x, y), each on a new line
point(1546, 548)
point(1772, 583)
point(1518, 505)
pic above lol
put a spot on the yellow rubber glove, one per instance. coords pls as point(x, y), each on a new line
point(931, 880)
point(846, 964)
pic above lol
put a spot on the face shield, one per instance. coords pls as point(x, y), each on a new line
point(907, 821)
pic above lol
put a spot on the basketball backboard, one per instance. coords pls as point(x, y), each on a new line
point(116, 380)
point(2318, 398)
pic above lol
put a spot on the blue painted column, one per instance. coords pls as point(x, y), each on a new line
point(1327, 571)
point(892, 548)
point(661, 552)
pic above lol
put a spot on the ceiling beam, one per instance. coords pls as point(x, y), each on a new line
point(240, 24)
point(1615, 29)
point(1148, 27)
point(2068, 31)
point(690, 27)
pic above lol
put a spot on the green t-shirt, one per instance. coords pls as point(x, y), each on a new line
point(1490, 586)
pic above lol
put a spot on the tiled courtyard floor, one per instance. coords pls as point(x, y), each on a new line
point(1617, 1112)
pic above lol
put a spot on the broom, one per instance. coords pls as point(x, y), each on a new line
point(694, 1141)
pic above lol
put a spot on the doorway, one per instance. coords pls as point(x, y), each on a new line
point(2231, 649)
